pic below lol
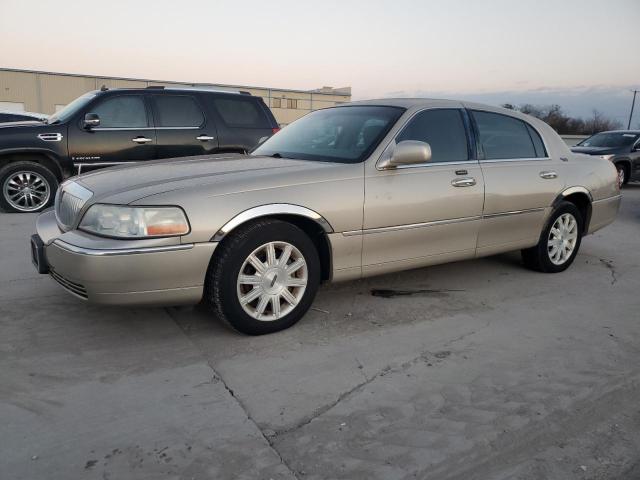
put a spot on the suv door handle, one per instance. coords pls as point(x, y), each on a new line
point(141, 140)
point(464, 182)
point(204, 138)
point(548, 174)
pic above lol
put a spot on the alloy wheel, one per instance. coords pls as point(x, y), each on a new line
point(272, 281)
point(26, 191)
point(562, 239)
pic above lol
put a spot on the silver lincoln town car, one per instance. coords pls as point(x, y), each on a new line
point(347, 192)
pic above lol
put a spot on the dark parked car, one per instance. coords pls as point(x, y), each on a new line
point(7, 116)
point(112, 127)
point(622, 147)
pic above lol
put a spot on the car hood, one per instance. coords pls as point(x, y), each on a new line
point(217, 174)
point(597, 150)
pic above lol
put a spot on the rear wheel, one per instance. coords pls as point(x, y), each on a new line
point(264, 277)
point(26, 187)
point(559, 242)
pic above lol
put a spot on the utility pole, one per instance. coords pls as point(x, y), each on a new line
point(633, 103)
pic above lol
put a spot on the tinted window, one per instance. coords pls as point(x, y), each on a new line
point(177, 111)
point(501, 136)
point(443, 130)
point(241, 112)
point(122, 112)
point(610, 139)
point(342, 134)
point(537, 142)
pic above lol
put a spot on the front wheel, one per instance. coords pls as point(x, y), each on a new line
point(264, 277)
point(26, 187)
point(559, 242)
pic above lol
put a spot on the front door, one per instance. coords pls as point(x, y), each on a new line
point(429, 213)
point(125, 133)
point(522, 180)
point(182, 129)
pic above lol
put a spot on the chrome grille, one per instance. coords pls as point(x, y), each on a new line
point(70, 199)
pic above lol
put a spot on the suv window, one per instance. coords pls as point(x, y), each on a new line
point(177, 111)
point(241, 112)
point(127, 111)
point(501, 136)
point(443, 130)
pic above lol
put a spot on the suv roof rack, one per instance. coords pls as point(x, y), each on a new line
point(203, 88)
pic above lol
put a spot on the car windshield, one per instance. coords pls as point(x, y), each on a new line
point(71, 108)
point(341, 134)
point(609, 139)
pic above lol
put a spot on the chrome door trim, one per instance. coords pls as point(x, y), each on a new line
point(501, 160)
point(130, 129)
point(410, 226)
point(271, 209)
point(141, 140)
point(513, 212)
point(79, 165)
point(124, 251)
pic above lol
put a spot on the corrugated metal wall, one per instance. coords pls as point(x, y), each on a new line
point(43, 92)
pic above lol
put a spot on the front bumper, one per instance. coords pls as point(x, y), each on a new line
point(122, 272)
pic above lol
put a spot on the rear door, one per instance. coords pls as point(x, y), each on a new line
point(125, 132)
point(243, 121)
point(521, 179)
point(182, 128)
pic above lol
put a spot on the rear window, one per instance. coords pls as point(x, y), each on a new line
point(177, 111)
point(504, 137)
point(241, 112)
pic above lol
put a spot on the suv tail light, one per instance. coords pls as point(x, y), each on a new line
point(275, 130)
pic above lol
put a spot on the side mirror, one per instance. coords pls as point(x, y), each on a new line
point(408, 152)
point(91, 120)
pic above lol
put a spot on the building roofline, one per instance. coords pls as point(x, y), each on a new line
point(235, 87)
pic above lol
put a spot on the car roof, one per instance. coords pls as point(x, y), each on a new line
point(158, 89)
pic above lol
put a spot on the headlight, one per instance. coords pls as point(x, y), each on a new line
point(134, 222)
point(607, 157)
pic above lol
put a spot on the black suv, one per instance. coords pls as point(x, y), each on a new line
point(622, 147)
point(110, 127)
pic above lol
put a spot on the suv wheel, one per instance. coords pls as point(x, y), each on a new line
point(264, 277)
point(26, 187)
point(559, 242)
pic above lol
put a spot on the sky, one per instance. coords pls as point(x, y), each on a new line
point(581, 54)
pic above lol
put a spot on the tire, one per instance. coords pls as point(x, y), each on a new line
point(272, 310)
point(40, 182)
point(623, 174)
point(543, 257)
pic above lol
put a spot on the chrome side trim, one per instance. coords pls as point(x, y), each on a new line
point(272, 209)
point(503, 160)
point(410, 226)
point(123, 251)
point(608, 199)
point(578, 189)
point(79, 165)
point(50, 137)
point(129, 129)
point(513, 212)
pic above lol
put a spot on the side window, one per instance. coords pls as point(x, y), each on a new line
point(127, 111)
point(177, 111)
point(503, 137)
point(537, 142)
point(241, 112)
point(443, 130)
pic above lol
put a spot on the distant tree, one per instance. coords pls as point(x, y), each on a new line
point(564, 124)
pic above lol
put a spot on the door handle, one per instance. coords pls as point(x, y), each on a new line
point(548, 174)
point(141, 140)
point(204, 138)
point(464, 182)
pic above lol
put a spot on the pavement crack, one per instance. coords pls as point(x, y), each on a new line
point(215, 378)
point(612, 269)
